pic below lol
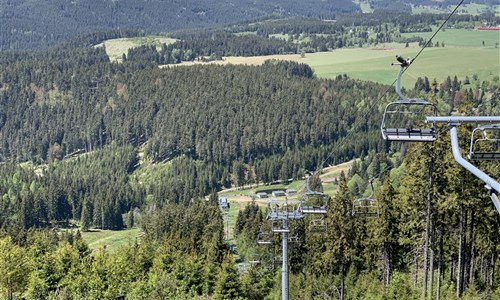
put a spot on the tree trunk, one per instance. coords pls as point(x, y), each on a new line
point(427, 228)
point(492, 268)
point(461, 250)
point(342, 292)
point(426, 246)
point(452, 269)
point(387, 267)
point(440, 267)
point(431, 273)
point(481, 268)
point(10, 293)
point(471, 254)
point(416, 270)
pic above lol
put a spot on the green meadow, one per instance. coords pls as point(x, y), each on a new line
point(111, 239)
point(471, 9)
point(462, 37)
point(439, 63)
point(115, 48)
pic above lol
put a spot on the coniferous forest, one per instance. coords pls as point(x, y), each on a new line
point(93, 144)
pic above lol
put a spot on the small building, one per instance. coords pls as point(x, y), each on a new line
point(224, 202)
point(291, 191)
point(261, 195)
point(279, 193)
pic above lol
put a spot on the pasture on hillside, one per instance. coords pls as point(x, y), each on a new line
point(111, 239)
point(115, 48)
point(374, 64)
point(439, 63)
point(462, 37)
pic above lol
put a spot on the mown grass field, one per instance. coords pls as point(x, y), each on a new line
point(374, 64)
point(463, 55)
point(471, 9)
point(111, 239)
point(461, 37)
point(439, 63)
point(115, 48)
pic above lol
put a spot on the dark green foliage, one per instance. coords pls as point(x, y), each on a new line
point(228, 285)
point(27, 24)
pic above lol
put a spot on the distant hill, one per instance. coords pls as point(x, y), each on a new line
point(29, 24)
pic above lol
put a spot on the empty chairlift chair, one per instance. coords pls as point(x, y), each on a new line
point(253, 258)
point(403, 119)
point(318, 225)
point(277, 226)
point(485, 143)
point(365, 206)
point(264, 238)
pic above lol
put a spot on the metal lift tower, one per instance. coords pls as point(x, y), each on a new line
point(280, 215)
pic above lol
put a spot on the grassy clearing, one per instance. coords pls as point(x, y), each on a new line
point(436, 63)
point(115, 48)
point(374, 64)
point(238, 199)
point(461, 37)
point(470, 9)
point(364, 6)
point(111, 239)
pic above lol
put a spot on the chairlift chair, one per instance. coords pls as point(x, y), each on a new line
point(485, 143)
point(242, 267)
point(314, 209)
point(264, 238)
point(279, 228)
point(253, 259)
point(404, 117)
point(322, 210)
point(365, 206)
point(318, 225)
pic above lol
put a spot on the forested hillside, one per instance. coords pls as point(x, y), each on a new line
point(38, 24)
point(88, 144)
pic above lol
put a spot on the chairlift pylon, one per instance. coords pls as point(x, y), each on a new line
point(403, 118)
point(485, 143)
point(365, 206)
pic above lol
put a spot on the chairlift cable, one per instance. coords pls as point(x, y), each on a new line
point(372, 106)
point(439, 29)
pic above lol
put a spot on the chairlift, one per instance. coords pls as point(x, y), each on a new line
point(365, 206)
point(318, 225)
point(279, 228)
point(485, 143)
point(264, 238)
point(277, 259)
point(331, 293)
point(242, 267)
point(321, 210)
point(403, 119)
point(253, 259)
